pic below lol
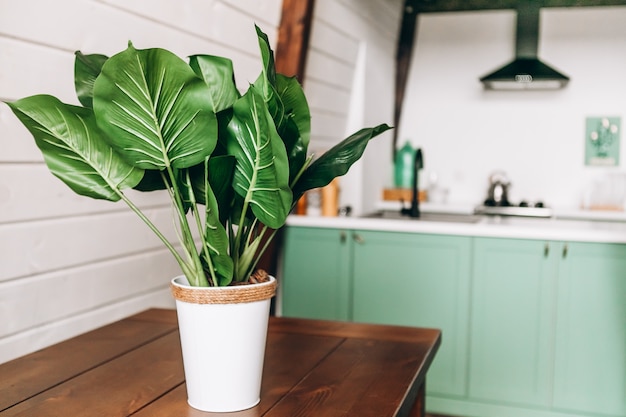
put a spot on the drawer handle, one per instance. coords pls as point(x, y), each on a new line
point(565, 249)
point(358, 238)
point(546, 250)
point(342, 237)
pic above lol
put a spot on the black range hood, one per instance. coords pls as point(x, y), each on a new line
point(526, 71)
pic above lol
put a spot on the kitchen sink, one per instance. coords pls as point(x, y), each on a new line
point(425, 217)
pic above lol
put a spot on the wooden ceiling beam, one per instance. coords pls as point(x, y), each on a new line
point(293, 38)
point(437, 6)
point(404, 52)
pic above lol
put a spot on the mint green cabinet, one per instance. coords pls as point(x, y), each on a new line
point(548, 325)
point(418, 280)
point(512, 326)
point(315, 280)
point(590, 365)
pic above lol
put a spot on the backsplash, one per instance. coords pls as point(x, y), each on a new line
point(536, 137)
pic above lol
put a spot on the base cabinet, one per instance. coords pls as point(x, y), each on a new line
point(530, 328)
point(512, 321)
point(393, 284)
point(548, 325)
point(590, 356)
point(316, 274)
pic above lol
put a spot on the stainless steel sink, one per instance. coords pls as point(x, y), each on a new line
point(425, 217)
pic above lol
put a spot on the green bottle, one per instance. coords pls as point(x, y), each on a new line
point(403, 166)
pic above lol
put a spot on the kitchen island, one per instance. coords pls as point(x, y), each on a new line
point(533, 311)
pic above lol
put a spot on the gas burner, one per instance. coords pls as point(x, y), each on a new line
point(538, 204)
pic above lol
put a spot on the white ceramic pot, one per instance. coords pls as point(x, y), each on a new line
point(222, 333)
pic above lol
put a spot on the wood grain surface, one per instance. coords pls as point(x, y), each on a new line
point(312, 368)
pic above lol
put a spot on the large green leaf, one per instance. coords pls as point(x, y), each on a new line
point(221, 171)
point(336, 161)
point(267, 79)
point(74, 148)
point(296, 129)
point(218, 74)
point(266, 83)
point(262, 169)
point(155, 109)
point(288, 106)
point(296, 106)
point(152, 180)
point(86, 70)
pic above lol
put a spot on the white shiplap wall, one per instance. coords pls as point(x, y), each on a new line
point(68, 263)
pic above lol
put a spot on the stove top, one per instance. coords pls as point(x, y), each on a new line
point(537, 209)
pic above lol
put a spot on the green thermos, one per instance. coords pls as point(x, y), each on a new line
point(403, 166)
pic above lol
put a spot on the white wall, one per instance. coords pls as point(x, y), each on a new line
point(68, 263)
point(537, 137)
point(350, 77)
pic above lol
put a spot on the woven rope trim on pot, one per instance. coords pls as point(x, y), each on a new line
point(224, 295)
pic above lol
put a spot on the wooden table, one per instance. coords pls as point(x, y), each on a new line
point(312, 368)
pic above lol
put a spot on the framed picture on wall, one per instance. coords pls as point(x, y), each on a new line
point(602, 141)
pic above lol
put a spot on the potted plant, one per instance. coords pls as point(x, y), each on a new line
point(234, 166)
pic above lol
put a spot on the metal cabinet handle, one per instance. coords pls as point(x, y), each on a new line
point(358, 238)
point(343, 237)
point(565, 249)
point(546, 250)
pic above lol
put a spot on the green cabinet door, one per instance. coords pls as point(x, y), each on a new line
point(418, 280)
point(315, 281)
point(512, 324)
point(590, 365)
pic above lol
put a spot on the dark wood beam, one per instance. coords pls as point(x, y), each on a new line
point(293, 37)
point(436, 6)
point(403, 63)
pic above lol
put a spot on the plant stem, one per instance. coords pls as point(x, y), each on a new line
point(194, 209)
point(166, 242)
point(265, 246)
point(241, 231)
point(306, 164)
point(195, 267)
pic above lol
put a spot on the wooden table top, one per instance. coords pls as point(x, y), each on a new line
point(312, 368)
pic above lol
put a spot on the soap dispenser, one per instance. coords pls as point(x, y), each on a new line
point(403, 166)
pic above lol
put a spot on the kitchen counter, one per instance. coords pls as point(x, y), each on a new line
point(567, 228)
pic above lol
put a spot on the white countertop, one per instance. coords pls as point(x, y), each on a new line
point(563, 226)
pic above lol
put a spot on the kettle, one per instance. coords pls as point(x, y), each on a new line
point(498, 193)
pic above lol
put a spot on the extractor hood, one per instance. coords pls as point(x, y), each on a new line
point(526, 71)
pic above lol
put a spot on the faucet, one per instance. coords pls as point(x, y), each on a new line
point(418, 164)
